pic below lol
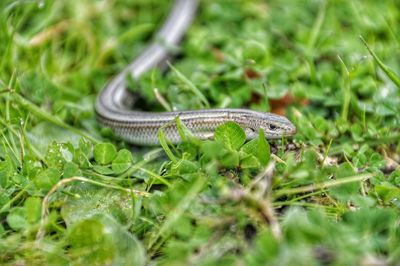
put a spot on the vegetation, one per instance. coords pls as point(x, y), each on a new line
point(72, 193)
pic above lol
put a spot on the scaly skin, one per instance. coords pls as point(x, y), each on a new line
point(141, 128)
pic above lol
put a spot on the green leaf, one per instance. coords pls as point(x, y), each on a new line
point(122, 162)
point(104, 170)
point(104, 153)
point(230, 159)
point(16, 219)
point(47, 179)
point(231, 135)
point(377, 160)
point(83, 153)
point(387, 191)
point(212, 149)
point(266, 247)
point(56, 154)
point(263, 149)
point(94, 200)
point(45, 133)
point(71, 169)
point(250, 147)
point(184, 167)
point(249, 161)
point(32, 208)
point(100, 240)
point(346, 191)
point(259, 148)
point(254, 50)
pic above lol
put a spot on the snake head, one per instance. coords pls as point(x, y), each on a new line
point(274, 126)
point(278, 126)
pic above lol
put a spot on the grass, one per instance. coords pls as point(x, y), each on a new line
point(72, 193)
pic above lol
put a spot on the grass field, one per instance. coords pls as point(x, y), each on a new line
point(71, 193)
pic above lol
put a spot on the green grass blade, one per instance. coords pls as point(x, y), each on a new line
point(191, 86)
point(164, 144)
point(390, 73)
point(178, 211)
point(35, 110)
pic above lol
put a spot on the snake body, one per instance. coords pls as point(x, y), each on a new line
point(141, 128)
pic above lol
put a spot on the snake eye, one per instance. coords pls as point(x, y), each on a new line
point(271, 127)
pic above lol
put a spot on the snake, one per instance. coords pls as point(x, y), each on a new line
point(115, 103)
